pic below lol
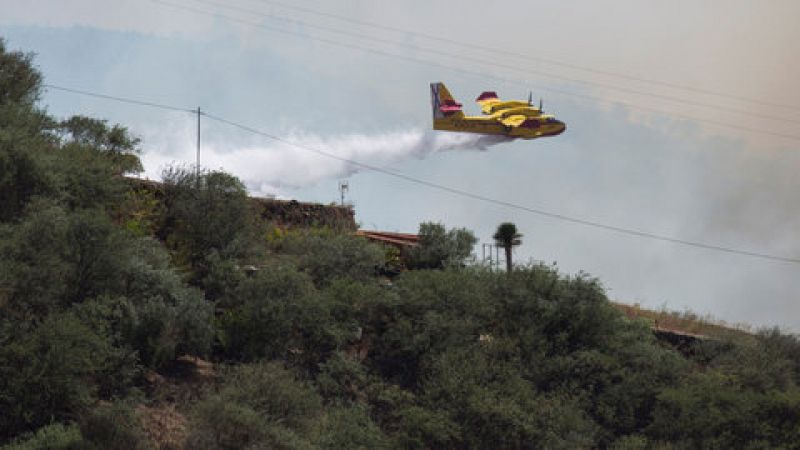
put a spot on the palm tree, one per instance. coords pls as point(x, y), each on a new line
point(507, 237)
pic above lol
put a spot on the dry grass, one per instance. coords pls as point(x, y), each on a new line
point(165, 427)
point(684, 322)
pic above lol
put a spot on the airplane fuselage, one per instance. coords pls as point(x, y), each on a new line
point(469, 124)
point(535, 126)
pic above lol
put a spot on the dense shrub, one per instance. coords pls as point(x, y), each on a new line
point(22, 174)
point(711, 411)
point(54, 259)
point(257, 406)
point(327, 255)
point(205, 216)
point(112, 426)
point(56, 436)
point(349, 427)
point(54, 371)
point(260, 313)
point(342, 378)
point(439, 248)
point(341, 256)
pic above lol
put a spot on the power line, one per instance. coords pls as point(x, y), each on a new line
point(541, 212)
point(476, 74)
point(494, 63)
point(441, 187)
point(120, 99)
point(384, 27)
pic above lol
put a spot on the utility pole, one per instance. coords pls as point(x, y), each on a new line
point(487, 255)
point(491, 254)
point(197, 166)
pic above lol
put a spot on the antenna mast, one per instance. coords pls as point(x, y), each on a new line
point(344, 186)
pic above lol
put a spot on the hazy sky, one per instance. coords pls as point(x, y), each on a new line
point(682, 120)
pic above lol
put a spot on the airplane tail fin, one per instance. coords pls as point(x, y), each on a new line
point(442, 102)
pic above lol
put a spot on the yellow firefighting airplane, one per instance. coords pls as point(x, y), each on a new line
point(515, 119)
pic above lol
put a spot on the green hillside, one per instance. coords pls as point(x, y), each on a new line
point(183, 320)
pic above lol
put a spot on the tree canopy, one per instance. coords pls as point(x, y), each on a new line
point(439, 248)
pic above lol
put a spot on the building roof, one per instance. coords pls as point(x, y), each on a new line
point(387, 237)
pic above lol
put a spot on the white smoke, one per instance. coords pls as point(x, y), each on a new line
point(272, 168)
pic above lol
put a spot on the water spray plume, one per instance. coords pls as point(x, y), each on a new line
point(272, 168)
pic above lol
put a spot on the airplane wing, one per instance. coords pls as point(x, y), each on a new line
point(514, 120)
point(490, 104)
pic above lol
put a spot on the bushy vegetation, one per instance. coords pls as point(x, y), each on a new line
point(103, 287)
point(440, 248)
